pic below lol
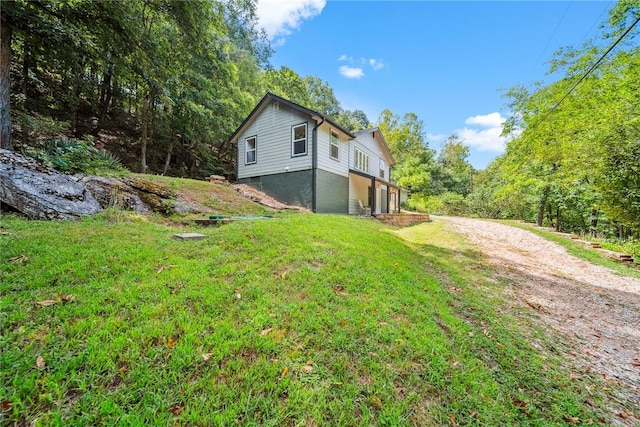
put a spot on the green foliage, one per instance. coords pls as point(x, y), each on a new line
point(71, 156)
point(313, 93)
point(452, 171)
point(574, 165)
point(154, 67)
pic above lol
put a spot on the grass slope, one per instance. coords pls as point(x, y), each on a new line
point(299, 320)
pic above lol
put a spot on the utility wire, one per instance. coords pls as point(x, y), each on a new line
point(593, 67)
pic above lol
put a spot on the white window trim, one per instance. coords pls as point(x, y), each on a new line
point(361, 161)
point(255, 150)
point(383, 168)
point(293, 140)
point(331, 144)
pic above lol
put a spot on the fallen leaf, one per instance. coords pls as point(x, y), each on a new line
point(339, 290)
point(284, 372)
point(237, 293)
point(376, 402)
point(373, 354)
point(266, 331)
point(471, 334)
point(18, 259)
point(5, 405)
point(309, 362)
point(520, 403)
point(589, 422)
point(171, 343)
point(571, 420)
point(47, 302)
point(500, 346)
point(452, 419)
point(207, 356)
point(343, 321)
point(383, 324)
point(307, 368)
point(272, 315)
point(123, 368)
point(337, 383)
point(273, 360)
point(177, 409)
point(161, 268)
point(68, 298)
point(40, 363)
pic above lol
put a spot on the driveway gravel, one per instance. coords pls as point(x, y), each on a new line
point(597, 309)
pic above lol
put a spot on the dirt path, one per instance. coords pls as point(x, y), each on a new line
point(597, 309)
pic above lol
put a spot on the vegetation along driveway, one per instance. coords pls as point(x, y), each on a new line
point(596, 309)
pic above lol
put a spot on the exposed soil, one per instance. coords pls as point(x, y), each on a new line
point(596, 309)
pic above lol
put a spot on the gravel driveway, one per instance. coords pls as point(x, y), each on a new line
point(596, 308)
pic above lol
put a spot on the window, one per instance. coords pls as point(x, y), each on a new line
point(299, 140)
point(362, 161)
point(250, 150)
point(382, 166)
point(334, 150)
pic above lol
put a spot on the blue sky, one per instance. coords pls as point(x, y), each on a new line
point(449, 62)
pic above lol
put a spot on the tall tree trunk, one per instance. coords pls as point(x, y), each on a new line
point(167, 161)
point(594, 221)
point(105, 95)
point(541, 206)
point(6, 31)
point(558, 218)
point(145, 133)
point(26, 60)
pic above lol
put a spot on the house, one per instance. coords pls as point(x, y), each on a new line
point(301, 157)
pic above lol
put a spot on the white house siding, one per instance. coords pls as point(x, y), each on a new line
point(366, 143)
point(325, 161)
point(272, 129)
point(358, 186)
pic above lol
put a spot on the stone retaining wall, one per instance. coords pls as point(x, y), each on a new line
point(403, 220)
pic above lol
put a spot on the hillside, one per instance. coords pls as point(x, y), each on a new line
point(296, 320)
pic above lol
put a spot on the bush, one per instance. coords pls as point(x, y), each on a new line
point(70, 156)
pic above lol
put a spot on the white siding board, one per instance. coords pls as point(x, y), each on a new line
point(325, 161)
point(374, 148)
point(272, 129)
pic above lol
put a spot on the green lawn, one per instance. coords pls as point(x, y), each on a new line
point(299, 320)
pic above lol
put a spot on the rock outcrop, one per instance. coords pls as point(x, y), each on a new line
point(41, 192)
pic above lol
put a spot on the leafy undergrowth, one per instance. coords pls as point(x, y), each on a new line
point(299, 320)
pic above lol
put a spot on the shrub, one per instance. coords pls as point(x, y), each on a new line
point(72, 156)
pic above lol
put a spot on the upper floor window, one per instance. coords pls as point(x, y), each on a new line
point(361, 161)
point(299, 140)
point(382, 167)
point(335, 139)
point(250, 150)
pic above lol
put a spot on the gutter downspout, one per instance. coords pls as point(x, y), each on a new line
point(314, 162)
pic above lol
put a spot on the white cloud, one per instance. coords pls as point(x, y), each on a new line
point(354, 69)
point(351, 72)
point(376, 64)
point(487, 120)
point(280, 17)
point(486, 133)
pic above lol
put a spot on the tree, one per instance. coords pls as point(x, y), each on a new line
point(452, 172)
point(414, 159)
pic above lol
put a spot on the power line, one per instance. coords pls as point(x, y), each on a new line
point(589, 71)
